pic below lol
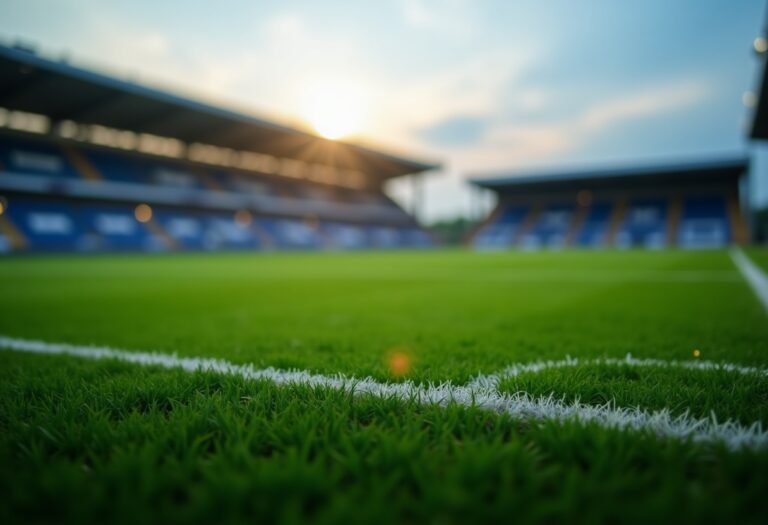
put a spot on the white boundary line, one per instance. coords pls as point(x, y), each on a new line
point(481, 392)
point(752, 274)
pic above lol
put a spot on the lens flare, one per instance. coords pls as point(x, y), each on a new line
point(243, 218)
point(143, 213)
point(334, 108)
point(399, 362)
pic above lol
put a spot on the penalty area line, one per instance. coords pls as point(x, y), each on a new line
point(482, 392)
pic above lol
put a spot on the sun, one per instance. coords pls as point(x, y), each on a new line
point(334, 108)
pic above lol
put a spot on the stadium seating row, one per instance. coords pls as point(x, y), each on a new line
point(703, 223)
point(62, 198)
point(47, 159)
point(46, 224)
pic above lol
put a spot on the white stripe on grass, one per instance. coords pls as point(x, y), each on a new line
point(492, 380)
point(481, 392)
point(752, 274)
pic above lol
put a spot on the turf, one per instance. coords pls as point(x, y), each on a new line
point(727, 395)
point(760, 256)
point(456, 313)
point(104, 441)
point(107, 442)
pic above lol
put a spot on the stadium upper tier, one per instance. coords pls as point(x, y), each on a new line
point(690, 206)
point(52, 96)
point(91, 162)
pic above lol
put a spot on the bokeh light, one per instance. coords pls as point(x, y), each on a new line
point(143, 213)
point(335, 108)
point(399, 361)
point(749, 99)
point(760, 44)
point(243, 218)
point(584, 198)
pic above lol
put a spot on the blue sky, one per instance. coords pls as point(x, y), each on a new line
point(483, 85)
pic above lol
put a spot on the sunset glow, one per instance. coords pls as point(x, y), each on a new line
point(335, 109)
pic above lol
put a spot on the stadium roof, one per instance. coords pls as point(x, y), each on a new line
point(61, 91)
point(700, 171)
point(760, 115)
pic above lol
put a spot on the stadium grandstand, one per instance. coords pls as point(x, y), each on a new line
point(695, 205)
point(89, 162)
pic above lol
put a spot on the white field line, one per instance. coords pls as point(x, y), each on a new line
point(492, 380)
point(752, 274)
point(482, 392)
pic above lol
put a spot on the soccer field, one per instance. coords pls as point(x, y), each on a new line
point(590, 437)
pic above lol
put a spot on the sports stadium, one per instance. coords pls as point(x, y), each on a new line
point(93, 163)
point(693, 206)
point(212, 317)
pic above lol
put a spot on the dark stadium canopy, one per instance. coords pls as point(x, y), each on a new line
point(713, 170)
point(29, 82)
point(760, 116)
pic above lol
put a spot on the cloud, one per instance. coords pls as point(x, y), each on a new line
point(411, 110)
point(456, 131)
point(508, 144)
point(449, 16)
point(529, 141)
point(675, 97)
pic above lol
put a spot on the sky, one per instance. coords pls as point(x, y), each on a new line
point(482, 86)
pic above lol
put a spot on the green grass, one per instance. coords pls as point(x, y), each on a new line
point(96, 442)
point(457, 313)
point(728, 395)
point(105, 441)
point(760, 256)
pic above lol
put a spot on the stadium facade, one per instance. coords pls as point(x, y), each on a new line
point(695, 205)
point(89, 162)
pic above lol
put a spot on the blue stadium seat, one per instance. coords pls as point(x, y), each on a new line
point(594, 230)
point(501, 232)
point(119, 167)
point(345, 236)
point(187, 229)
point(116, 229)
point(414, 237)
point(386, 237)
point(123, 167)
point(645, 225)
point(174, 175)
point(34, 158)
point(550, 229)
point(704, 223)
point(223, 232)
point(48, 225)
point(292, 233)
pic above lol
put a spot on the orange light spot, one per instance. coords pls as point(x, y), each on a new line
point(312, 222)
point(584, 198)
point(697, 353)
point(399, 363)
point(243, 218)
point(143, 213)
